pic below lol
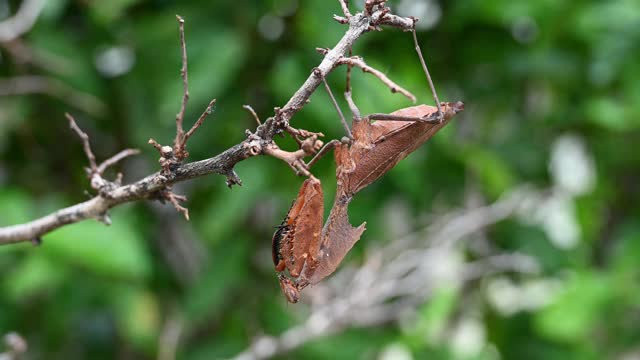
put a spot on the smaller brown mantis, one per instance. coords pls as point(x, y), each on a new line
point(311, 252)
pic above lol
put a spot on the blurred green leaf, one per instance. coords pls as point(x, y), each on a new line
point(611, 114)
point(494, 173)
point(211, 291)
point(138, 316)
point(114, 251)
point(230, 208)
point(574, 315)
point(15, 207)
point(433, 317)
point(108, 11)
point(35, 275)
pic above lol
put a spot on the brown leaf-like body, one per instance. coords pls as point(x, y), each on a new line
point(300, 242)
point(379, 146)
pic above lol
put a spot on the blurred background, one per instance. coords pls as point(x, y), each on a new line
point(512, 234)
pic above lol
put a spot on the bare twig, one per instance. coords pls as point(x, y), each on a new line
point(22, 21)
point(95, 171)
point(175, 200)
point(178, 144)
point(359, 62)
point(172, 156)
point(253, 113)
point(116, 159)
point(406, 24)
point(348, 81)
point(200, 120)
point(345, 8)
point(85, 142)
point(426, 72)
point(340, 19)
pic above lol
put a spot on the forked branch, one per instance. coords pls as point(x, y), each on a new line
point(174, 170)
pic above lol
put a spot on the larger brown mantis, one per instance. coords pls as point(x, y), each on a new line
point(311, 251)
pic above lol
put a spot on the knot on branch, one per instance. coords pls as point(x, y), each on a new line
point(308, 143)
point(253, 146)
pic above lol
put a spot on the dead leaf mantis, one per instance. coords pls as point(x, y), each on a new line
point(311, 251)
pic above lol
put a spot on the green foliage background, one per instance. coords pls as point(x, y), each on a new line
point(528, 71)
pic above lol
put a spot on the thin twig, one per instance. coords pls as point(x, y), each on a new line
point(341, 19)
point(253, 113)
point(406, 24)
point(426, 72)
point(200, 120)
point(349, 67)
point(337, 107)
point(345, 8)
point(359, 62)
point(115, 159)
point(175, 200)
point(85, 142)
point(185, 83)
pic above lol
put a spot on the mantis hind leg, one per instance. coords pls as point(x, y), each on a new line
point(426, 72)
point(322, 152)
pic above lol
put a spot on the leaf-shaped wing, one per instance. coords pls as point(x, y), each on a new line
point(379, 146)
point(338, 237)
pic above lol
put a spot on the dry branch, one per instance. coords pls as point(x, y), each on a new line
point(22, 21)
point(345, 8)
point(158, 185)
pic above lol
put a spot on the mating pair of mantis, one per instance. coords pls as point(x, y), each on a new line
point(311, 251)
